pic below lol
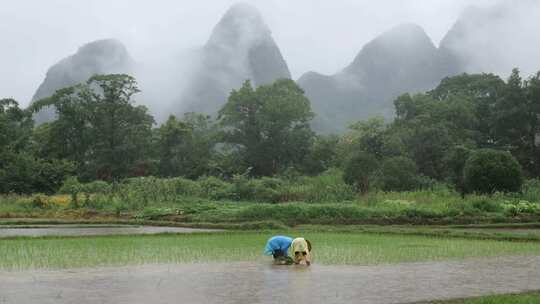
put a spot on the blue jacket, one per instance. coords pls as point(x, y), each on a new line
point(281, 243)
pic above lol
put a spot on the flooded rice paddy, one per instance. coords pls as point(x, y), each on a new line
point(264, 283)
point(90, 230)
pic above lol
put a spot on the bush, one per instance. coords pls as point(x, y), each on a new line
point(215, 188)
point(359, 171)
point(486, 205)
point(97, 187)
point(23, 173)
point(488, 171)
point(398, 174)
point(72, 187)
point(40, 201)
point(531, 190)
point(521, 207)
point(185, 187)
point(327, 187)
point(259, 190)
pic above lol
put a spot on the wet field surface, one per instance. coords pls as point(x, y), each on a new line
point(74, 230)
point(512, 231)
point(263, 283)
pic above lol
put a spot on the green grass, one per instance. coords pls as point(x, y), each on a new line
point(321, 200)
point(384, 208)
point(329, 248)
point(530, 298)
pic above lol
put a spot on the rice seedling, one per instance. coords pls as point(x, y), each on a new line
point(329, 248)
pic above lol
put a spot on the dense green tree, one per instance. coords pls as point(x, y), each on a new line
point(488, 171)
point(368, 136)
point(428, 128)
point(268, 126)
point(15, 126)
point(483, 91)
point(532, 92)
point(99, 128)
point(69, 136)
point(322, 155)
point(518, 120)
point(185, 146)
point(121, 131)
point(20, 170)
point(398, 174)
point(172, 138)
point(24, 173)
point(360, 171)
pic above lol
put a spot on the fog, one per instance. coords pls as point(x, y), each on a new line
point(514, 40)
point(322, 36)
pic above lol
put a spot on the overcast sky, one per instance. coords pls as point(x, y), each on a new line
point(319, 35)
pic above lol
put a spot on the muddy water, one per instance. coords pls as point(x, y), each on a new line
point(262, 283)
point(68, 230)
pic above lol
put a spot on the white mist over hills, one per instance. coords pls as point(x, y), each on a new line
point(497, 38)
point(386, 58)
point(319, 35)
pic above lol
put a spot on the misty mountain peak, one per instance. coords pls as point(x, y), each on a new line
point(403, 59)
point(240, 48)
point(106, 56)
point(241, 24)
point(243, 10)
point(97, 57)
point(400, 44)
point(407, 32)
point(110, 50)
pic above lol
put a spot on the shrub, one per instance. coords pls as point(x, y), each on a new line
point(359, 171)
point(259, 190)
point(521, 207)
point(24, 173)
point(72, 187)
point(185, 187)
point(40, 201)
point(398, 174)
point(327, 187)
point(267, 189)
point(96, 187)
point(488, 171)
point(531, 190)
point(215, 188)
point(486, 205)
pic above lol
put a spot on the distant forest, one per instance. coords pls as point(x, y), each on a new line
point(100, 133)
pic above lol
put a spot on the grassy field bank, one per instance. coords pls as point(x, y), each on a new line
point(324, 199)
point(530, 298)
point(389, 208)
point(329, 248)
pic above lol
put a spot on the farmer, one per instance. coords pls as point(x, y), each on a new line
point(302, 251)
point(278, 247)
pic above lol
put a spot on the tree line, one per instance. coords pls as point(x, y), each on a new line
point(465, 128)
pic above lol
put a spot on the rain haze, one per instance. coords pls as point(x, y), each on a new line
point(322, 36)
point(269, 151)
